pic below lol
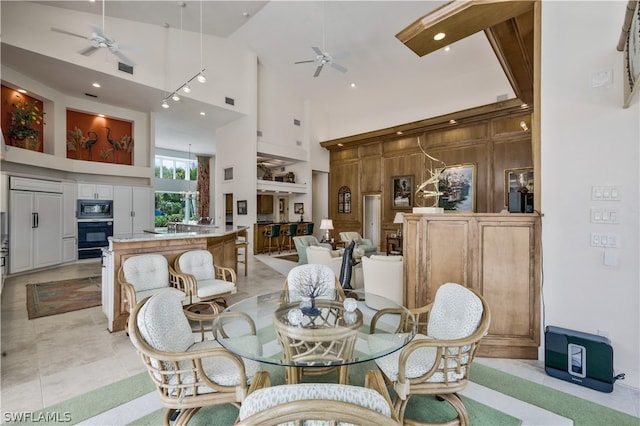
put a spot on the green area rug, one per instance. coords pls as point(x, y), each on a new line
point(583, 412)
point(57, 297)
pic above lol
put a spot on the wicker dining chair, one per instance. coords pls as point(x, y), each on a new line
point(438, 361)
point(187, 374)
point(318, 403)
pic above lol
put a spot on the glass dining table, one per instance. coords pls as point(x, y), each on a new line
point(331, 334)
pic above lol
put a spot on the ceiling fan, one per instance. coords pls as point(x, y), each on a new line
point(322, 59)
point(322, 56)
point(99, 40)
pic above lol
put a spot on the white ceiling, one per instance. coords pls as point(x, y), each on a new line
point(280, 33)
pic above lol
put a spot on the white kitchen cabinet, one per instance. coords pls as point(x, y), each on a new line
point(35, 230)
point(132, 210)
point(91, 191)
point(69, 223)
point(108, 284)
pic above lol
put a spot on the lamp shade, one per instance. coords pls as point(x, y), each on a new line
point(326, 224)
point(398, 218)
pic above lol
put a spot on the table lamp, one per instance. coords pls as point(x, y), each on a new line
point(326, 224)
point(398, 219)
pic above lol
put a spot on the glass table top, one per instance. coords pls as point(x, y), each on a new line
point(272, 329)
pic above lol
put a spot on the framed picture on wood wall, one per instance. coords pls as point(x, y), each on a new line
point(514, 179)
point(458, 187)
point(402, 195)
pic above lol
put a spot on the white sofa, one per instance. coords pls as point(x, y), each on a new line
point(383, 276)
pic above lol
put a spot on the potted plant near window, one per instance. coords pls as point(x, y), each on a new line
point(21, 132)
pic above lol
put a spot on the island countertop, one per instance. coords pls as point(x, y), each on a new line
point(220, 241)
point(189, 231)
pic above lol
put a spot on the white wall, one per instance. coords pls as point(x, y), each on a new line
point(589, 139)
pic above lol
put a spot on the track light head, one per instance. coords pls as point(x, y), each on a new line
point(175, 97)
point(165, 104)
point(201, 78)
point(186, 88)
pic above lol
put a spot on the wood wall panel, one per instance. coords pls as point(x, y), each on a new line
point(370, 175)
point(457, 136)
point(494, 254)
point(509, 154)
point(345, 174)
point(372, 149)
point(397, 146)
point(448, 261)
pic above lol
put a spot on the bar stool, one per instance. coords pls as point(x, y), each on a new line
point(288, 233)
point(242, 244)
point(271, 232)
point(308, 230)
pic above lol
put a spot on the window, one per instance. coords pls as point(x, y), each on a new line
point(344, 200)
point(175, 168)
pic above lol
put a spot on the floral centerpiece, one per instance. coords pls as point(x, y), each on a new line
point(24, 116)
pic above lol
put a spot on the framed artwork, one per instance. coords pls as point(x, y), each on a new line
point(402, 195)
point(458, 187)
point(298, 208)
point(242, 207)
point(514, 179)
point(281, 205)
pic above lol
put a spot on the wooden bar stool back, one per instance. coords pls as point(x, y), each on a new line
point(271, 233)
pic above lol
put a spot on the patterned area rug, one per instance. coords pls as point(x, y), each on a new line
point(57, 297)
point(289, 257)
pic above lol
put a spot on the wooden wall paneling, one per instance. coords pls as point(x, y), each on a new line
point(345, 173)
point(510, 126)
point(400, 146)
point(370, 150)
point(508, 280)
point(370, 175)
point(448, 256)
point(459, 135)
point(508, 154)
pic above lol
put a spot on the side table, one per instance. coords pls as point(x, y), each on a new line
point(394, 245)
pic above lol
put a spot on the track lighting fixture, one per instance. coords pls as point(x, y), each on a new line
point(184, 87)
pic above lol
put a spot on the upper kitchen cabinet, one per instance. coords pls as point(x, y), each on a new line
point(265, 204)
point(132, 210)
point(91, 191)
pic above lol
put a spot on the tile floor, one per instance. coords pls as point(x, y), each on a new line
point(48, 360)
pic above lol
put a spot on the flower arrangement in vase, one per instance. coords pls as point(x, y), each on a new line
point(24, 116)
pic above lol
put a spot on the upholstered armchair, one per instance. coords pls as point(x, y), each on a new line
point(364, 247)
point(147, 274)
point(383, 276)
point(207, 281)
point(187, 374)
point(328, 402)
point(325, 256)
point(438, 359)
point(302, 242)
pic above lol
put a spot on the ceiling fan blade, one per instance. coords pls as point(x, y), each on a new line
point(318, 51)
point(305, 62)
point(340, 55)
point(89, 50)
point(317, 73)
point(338, 67)
point(99, 32)
point(123, 58)
point(58, 30)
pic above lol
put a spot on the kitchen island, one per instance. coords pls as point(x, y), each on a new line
point(220, 241)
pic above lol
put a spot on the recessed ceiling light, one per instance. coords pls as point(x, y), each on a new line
point(353, 85)
point(439, 36)
point(524, 106)
point(246, 14)
point(203, 113)
point(446, 49)
point(95, 84)
point(452, 121)
point(399, 132)
point(101, 115)
point(340, 144)
point(22, 91)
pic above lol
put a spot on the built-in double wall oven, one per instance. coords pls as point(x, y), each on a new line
point(95, 226)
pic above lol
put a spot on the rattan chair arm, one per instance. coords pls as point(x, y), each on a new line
point(224, 273)
point(405, 325)
point(129, 294)
point(260, 380)
point(181, 281)
point(219, 324)
point(374, 380)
